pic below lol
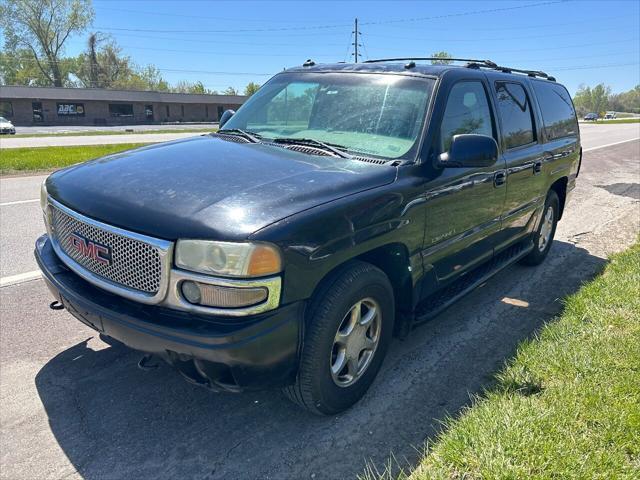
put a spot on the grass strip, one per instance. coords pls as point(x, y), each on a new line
point(113, 132)
point(18, 160)
point(568, 405)
point(618, 120)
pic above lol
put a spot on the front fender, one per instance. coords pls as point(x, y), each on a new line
point(316, 241)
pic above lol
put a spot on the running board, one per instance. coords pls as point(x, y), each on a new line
point(443, 299)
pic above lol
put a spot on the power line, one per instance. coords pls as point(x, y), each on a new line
point(475, 40)
point(323, 27)
point(206, 72)
point(209, 72)
point(589, 67)
point(203, 40)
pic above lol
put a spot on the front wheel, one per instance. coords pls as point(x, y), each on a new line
point(543, 236)
point(349, 325)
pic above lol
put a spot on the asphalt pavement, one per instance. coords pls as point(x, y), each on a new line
point(76, 407)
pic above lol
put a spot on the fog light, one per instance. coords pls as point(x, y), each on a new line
point(191, 292)
point(222, 297)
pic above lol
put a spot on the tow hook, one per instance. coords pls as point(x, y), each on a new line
point(56, 305)
point(146, 363)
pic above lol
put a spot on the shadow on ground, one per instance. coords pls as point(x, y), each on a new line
point(113, 420)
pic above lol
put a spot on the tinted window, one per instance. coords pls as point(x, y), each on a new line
point(467, 111)
point(121, 109)
point(557, 110)
point(515, 111)
point(6, 109)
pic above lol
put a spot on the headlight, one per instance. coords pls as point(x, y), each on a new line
point(44, 196)
point(228, 259)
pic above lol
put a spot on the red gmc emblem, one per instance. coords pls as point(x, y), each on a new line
point(89, 248)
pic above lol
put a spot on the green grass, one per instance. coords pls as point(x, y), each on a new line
point(568, 405)
point(617, 120)
point(17, 160)
point(114, 132)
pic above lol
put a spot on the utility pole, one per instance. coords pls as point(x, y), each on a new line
point(356, 42)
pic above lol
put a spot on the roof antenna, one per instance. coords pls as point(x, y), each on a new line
point(309, 63)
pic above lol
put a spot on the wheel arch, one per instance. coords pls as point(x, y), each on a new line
point(393, 260)
point(560, 187)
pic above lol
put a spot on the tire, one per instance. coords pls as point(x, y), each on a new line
point(543, 236)
point(357, 287)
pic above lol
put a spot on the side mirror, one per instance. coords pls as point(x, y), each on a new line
point(226, 116)
point(470, 150)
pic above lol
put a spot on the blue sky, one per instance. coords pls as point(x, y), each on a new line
point(231, 43)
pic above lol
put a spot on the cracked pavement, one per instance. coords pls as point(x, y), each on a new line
point(75, 407)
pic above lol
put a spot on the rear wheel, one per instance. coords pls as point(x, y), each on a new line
point(543, 237)
point(348, 329)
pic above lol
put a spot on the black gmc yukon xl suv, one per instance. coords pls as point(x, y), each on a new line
point(341, 205)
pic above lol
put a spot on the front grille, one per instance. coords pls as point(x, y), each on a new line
point(134, 264)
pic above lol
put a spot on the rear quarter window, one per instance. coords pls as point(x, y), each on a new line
point(558, 114)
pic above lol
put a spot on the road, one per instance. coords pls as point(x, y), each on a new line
point(594, 134)
point(75, 407)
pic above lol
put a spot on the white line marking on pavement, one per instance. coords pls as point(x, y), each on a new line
point(18, 202)
point(20, 278)
point(610, 144)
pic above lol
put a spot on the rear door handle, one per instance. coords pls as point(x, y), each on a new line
point(499, 178)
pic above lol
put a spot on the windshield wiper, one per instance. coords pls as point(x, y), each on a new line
point(329, 147)
point(251, 136)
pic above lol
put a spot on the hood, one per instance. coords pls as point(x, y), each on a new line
point(6, 124)
point(206, 187)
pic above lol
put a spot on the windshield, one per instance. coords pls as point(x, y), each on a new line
point(368, 114)
point(3, 120)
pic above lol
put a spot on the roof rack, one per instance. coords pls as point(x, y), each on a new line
point(471, 63)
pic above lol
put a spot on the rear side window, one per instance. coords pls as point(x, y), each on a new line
point(467, 111)
point(515, 112)
point(557, 110)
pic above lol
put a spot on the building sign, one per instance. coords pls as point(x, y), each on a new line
point(71, 109)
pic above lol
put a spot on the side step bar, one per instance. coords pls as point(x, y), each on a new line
point(443, 299)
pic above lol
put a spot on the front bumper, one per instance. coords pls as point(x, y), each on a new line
point(221, 353)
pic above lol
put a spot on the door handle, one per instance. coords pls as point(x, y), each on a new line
point(499, 178)
point(537, 167)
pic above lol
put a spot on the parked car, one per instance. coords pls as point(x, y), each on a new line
point(591, 116)
point(340, 206)
point(610, 115)
point(6, 127)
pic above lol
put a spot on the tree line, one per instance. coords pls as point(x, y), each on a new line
point(36, 32)
point(599, 99)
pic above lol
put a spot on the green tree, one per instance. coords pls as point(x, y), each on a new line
point(185, 86)
point(600, 98)
point(230, 91)
point(444, 58)
point(251, 88)
point(145, 78)
point(43, 27)
point(19, 68)
point(582, 100)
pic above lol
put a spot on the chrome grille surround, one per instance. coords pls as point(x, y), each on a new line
point(141, 264)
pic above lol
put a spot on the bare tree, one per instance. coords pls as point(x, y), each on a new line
point(43, 27)
point(103, 65)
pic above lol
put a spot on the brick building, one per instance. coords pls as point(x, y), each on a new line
point(26, 106)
